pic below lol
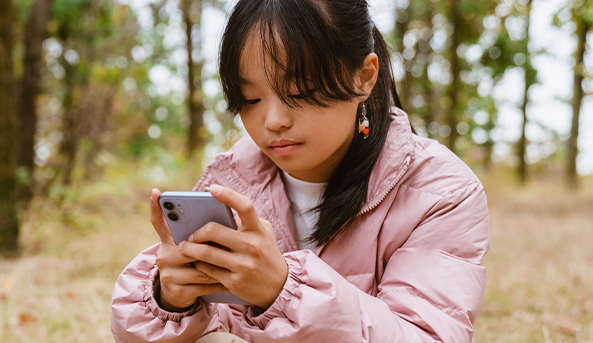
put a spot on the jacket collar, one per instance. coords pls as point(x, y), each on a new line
point(396, 153)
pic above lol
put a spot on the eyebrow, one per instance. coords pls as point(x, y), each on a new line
point(244, 81)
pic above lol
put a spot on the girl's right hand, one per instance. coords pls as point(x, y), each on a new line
point(180, 282)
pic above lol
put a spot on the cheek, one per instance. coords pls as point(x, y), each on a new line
point(333, 132)
point(249, 121)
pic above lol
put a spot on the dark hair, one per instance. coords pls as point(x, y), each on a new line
point(317, 46)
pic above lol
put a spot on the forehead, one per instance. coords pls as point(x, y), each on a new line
point(255, 63)
point(251, 62)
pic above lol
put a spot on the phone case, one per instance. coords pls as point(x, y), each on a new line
point(193, 210)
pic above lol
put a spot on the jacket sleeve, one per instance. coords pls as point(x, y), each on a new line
point(431, 289)
point(137, 317)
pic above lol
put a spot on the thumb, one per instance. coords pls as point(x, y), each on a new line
point(158, 219)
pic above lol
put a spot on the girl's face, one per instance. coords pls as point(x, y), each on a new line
point(308, 142)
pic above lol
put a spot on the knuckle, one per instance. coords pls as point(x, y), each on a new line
point(203, 277)
point(209, 229)
point(252, 248)
point(247, 266)
point(161, 259)
point(204, 254)
point(235, 281)
point(165, 277)
point(245, 205)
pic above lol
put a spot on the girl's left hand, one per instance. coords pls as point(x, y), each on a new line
point(254, 268)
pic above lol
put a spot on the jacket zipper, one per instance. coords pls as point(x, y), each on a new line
point(405, 166)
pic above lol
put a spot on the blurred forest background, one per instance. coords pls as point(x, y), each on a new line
point(102, 100)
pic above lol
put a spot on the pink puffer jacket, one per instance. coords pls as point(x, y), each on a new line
point(408, 269)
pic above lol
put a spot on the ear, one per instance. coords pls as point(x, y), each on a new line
point(367, 74)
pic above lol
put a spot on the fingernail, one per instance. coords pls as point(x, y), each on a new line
point(180, 245)
point(215, 189)
point(191, 238)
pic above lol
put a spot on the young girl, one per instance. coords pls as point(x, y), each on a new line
point(351, 227)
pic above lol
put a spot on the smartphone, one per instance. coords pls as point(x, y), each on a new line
point(185, 213)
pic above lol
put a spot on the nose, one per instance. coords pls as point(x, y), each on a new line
point(278, 116)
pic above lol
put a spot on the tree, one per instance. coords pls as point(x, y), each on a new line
point(34, 34)
point(583, 27)
point(193, 10)
point(84, 28)
point(454, 90)
point(530, 79)
point(511, 50)
point(579, 14)
point(412, 34)
point(9, 227)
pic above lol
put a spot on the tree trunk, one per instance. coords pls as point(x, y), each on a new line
point(9, 227)
point(401, 27)
point(430, 113)
point(577, 97)
point(35, 34)
point(69, 124)
point(99, 106)
point(194, 77)
point(522, 146)
point(451, 112)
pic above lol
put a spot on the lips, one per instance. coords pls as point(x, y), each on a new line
point(284, 147)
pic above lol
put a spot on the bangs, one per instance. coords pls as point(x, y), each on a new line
point(301, 59)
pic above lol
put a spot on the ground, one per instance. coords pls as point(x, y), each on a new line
point(76, 242)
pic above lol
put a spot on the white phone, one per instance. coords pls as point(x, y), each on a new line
point(187, 212)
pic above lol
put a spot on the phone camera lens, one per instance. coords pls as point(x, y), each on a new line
point(173, 216)
point(169, 206)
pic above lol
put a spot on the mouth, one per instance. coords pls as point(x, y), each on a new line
point(284, 147)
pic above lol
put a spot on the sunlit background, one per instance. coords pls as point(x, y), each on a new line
point(110, 104)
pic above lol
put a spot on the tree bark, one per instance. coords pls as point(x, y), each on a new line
point(35, 34)
point(577, 97)
point(430, 112)
point(522, 146)
point(9, 227)
point(70, 124)
point(451, 112)
point(194, 76)
point(401, 27)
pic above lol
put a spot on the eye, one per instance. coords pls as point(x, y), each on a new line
point(252, 102)
point(299, 96)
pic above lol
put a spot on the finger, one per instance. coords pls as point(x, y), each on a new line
point(194, 291)
point(207, 253)
point(158, 219)
point(239, 203)
point(170, 256)
point(185, 276)
point(215, 272)
point(217, 233)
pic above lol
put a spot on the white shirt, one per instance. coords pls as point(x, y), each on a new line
point(303, 196)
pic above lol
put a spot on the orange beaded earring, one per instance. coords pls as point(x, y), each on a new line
point(363, 123)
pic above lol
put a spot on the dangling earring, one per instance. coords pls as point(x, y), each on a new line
point(363, 123)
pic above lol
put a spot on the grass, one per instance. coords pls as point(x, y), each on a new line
point(76, 243)
point(540, 265)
